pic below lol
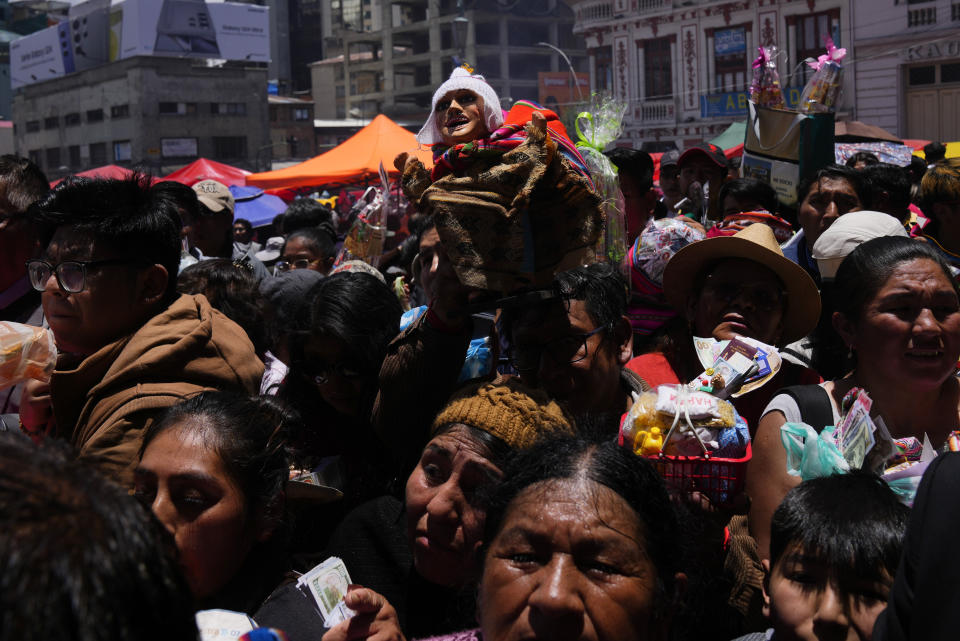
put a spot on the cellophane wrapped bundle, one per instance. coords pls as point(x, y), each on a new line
point(765, 89)
point(822, 92)
point(26, 352)
point(596, 129)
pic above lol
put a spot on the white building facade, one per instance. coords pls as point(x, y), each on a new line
point(684, 67)
point(907, 66)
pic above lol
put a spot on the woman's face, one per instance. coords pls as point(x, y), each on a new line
point(460, 117)
point(444, 522)
point(188, 488)
point(910, 330)
point(569, 563)
point(330, 366)
point(740, 298)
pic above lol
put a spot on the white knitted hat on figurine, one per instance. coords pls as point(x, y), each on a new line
point(462, 78)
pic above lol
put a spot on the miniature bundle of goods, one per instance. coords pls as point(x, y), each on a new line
point(697, 442)
point(365, 239)
point(860, 443)
point(26, 352)
point(765, 88)
point(822, 92)
point(600, 127)
point(513, 207)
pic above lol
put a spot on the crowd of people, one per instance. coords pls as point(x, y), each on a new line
point(232, 406)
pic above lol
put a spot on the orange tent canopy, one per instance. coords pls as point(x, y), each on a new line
point(355, 160)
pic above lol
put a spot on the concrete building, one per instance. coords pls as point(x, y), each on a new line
point(684, 67)
point(386, 56)
point(158, 113)
point(292, 136)
point(907, 67)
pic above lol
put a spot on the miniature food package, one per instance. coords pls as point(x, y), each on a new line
point(26, 352)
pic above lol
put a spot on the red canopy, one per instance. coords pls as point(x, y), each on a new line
point(353, 161)
point(107, 171)
point(204, 169)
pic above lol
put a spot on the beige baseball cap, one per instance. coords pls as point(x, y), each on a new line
point(214, 195)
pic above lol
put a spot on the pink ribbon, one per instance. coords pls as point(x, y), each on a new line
point(833, 54)
point(762, 59)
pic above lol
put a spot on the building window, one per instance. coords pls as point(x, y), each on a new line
point(604, 67)
point(121, 151)
point(730, 59)
point(273, 113)
point(35, 157)
point(120, 111)
point(918, 76)
point(177, 108)
point(812, 33)
point(657, 72)
point(301, 113)
point(72, 119)
point(95, 115)
point(32, 126)
point(74, 152)
point(53, 157)
point(98, 154)
point(51, 122)
point(230, 147)
point(228, 108)
point(950, 72)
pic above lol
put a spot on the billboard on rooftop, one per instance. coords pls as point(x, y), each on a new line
point(97, 33)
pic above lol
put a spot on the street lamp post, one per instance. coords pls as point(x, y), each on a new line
point(573, 74)
point(460, 25)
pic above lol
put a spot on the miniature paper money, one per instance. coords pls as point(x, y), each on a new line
point(328, 584)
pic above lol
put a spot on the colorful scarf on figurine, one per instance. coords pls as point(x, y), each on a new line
point(452, 160)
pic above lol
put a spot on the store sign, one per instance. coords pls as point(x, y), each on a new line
point(178, 147)
point(718, 105)
point(930, 50)
point(729, 41)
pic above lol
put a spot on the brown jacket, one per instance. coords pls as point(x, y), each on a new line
point(105, 404)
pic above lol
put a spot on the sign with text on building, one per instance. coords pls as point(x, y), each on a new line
point(178, 147)
point(729, 41)
point(557, 91)
point(97, 33)
point(195, 29)
point(717, 105)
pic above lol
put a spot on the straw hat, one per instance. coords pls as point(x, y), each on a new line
point(756, 243)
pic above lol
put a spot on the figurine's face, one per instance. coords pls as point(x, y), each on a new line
point(460, 116)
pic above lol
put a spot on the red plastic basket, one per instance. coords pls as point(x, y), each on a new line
point(719, 479)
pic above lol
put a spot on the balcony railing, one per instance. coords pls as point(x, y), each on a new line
point(656, 112)
point(595, 12)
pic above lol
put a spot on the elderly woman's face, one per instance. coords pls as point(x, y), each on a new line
point(444, 522)
point(569, 563)
point(910, 330)
point(740, 298)
point(460, 117)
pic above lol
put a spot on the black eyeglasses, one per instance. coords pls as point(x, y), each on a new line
point(764, 296)
point(560, 351)
point(322, 374)
point(287, 265)
point(71, 274)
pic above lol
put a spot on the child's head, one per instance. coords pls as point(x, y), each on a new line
point(834, 548)
point(464, 108)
